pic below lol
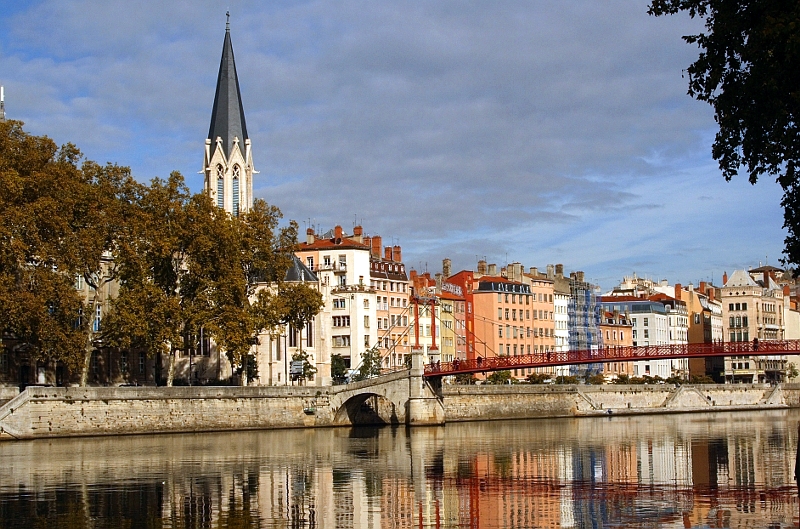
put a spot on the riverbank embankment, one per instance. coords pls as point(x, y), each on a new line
point(40, 412)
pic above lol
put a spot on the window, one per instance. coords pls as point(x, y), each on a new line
point(500, 331)
point(292, 336)
point(744, 321)
point(507, 315)
point(366, 340)
point(342, 321)
point(527, 314)
point(646, 324)
point(744, 306)
point(235, 191)
point(339, 303)
point(79, 282)
point(341, 341)
point(220, 187)
point(366, 322)
point(622, 335)
point(327, 260)
point(738, 307)
point(514, 314)
point(310, 333)
point(343, 281)
point(98, 318)
point(499, 297)
point(310, 262)
point(141, 363)
point(499, 313)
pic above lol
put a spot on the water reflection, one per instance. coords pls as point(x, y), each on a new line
point(704, 471)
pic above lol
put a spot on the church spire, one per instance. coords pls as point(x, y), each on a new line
point(228, 160)
point(227, 115)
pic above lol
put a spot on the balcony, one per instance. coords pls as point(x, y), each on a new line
point(345, 289)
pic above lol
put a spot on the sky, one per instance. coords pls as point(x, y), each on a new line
point(538, 132)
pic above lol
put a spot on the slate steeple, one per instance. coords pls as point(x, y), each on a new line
point(228, 163)
point(227, 115)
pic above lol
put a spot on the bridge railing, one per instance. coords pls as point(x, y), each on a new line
point(615, 354)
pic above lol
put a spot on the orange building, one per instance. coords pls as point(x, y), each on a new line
point(617, 331)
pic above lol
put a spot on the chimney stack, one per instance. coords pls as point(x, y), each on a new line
point(387, 253)
point(559, 270)
point(446, 267)
point(550, 271)
point(397, 255)
point(482, 267)
point(579, 276)
point(310, 236)
point(492, 270)
point(534, 271)
point(337, 232)
point(377, 243)
point(677, 291)
point(724, 278)
point(358, 233)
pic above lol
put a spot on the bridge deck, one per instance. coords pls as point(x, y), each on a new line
point(615, 354)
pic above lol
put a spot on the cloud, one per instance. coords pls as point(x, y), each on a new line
point(531, 131)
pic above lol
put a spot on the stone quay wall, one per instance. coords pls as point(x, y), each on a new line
point(468, 403)
point(41, 412)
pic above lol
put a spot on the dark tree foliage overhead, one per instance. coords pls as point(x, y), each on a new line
point(749, 71)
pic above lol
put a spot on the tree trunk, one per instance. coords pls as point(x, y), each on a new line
point(87, 360)
point(171, 368)
point(245, 361)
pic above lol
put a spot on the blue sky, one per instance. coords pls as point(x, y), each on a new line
point(533, 132)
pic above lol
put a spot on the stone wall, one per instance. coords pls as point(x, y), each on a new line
point(71, 412)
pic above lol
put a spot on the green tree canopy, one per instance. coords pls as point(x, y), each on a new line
point(749, 71)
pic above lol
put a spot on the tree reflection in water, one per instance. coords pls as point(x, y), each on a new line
point(721, 470)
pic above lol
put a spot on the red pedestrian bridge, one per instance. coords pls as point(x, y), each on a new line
point(614, 354)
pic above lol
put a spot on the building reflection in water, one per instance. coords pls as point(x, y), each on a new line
point(681, 471)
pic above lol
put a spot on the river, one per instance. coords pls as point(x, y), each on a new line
point(657, 471)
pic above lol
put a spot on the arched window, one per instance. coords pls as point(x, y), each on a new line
point(220, 187)
point(235, 190)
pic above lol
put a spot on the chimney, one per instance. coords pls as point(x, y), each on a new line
point(358, 233)
point(766, 278)
point(446, 267)
point(397, 255)
point(310, 236)
point(711, 294)
point(559, 270)
point(482, 267)
point(550, 271)
point(677, 291)
point(387, 253)
point(534, 271)
point(368, 243)
point(376, 246)
point(579, 276)
point(787, 290)
point(703, 287)
point(492, 270)
point(724, 278)
point(337, 232)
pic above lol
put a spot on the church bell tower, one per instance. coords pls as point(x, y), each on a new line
point(228, 160)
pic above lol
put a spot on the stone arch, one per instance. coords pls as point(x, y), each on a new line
point(368, 408)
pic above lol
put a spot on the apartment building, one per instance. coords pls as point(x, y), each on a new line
point(392, 288)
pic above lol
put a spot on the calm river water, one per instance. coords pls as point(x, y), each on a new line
point(689, 470)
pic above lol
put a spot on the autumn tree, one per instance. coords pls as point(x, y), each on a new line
point(748, 70)
point(57, 220)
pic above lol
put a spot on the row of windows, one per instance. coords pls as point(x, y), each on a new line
point(512, 350)
point(523, 332)
point(609, 334)
point(738, 321)
point(737, 306)
point(393, 286)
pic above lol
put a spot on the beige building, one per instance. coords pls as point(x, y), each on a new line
point(753, 309)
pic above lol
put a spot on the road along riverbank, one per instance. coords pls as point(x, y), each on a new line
point(40, 412)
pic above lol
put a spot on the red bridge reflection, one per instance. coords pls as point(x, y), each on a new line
point(614, 354)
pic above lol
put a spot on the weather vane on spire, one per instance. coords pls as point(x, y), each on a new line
point(227, 20)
